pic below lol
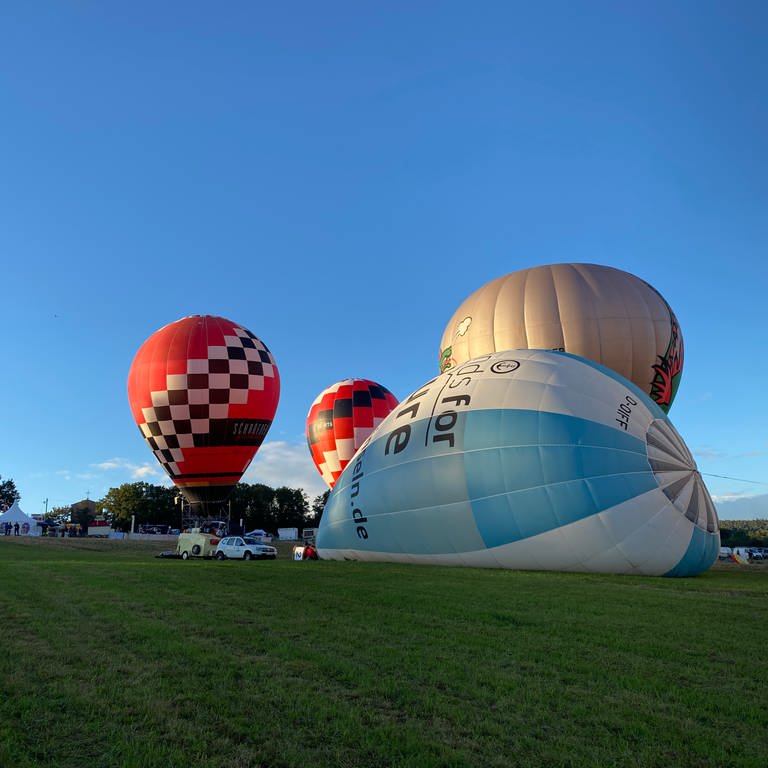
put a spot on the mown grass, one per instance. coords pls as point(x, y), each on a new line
point(113, 657)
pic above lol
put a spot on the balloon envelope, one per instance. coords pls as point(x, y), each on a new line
point(341, 419)
point(528, 460)
point(204, 391)
point(597, 312)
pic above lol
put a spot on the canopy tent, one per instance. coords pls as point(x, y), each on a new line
point(14, 514)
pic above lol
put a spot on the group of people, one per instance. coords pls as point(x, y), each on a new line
point(8, 527)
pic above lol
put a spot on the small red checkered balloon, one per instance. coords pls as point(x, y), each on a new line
point(341, 419)
point(204, 391)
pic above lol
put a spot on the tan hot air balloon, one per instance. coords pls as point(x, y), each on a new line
point(600, 313)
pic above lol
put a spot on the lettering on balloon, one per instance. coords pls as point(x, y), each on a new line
point(445, 414)
point(398, 438)
point(447, 405)
point(505, 366)
point(243, 431)
point(624, 411)
point(462, 376)
point(445, 421)
point(358, 518)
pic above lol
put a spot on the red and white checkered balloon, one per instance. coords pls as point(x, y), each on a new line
point(341, 419)
point(204, 391)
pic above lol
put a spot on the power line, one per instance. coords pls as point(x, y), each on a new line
point(737, 479)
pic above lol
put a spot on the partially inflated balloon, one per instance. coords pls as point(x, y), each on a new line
point(527, 460)
point(204, 391)
point(597, 312)
point(341, 419)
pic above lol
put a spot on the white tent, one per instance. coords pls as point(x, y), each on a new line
point(14, 514)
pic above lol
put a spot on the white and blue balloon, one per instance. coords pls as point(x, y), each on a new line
point(525, 459)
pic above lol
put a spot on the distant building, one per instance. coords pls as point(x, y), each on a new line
point(85, 509)
point(87, 516)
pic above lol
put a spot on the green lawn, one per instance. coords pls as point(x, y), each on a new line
point(114, 657)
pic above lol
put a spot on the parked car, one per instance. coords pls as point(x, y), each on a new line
point(244, 548)
point(259, 535)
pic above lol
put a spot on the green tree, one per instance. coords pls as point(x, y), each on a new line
point(744, 533)
point(59, 515)
point(254, 504)
point(149, 504)
point(292, 507)
point(8, 492)
point(316, 511)
point(726, 536)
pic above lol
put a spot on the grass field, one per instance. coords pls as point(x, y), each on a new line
point(114, 657)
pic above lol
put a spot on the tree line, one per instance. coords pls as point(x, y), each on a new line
point(257, 505)
point(744, 533)
point(260, 506)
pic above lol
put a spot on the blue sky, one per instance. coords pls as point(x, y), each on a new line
point(339, 176)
